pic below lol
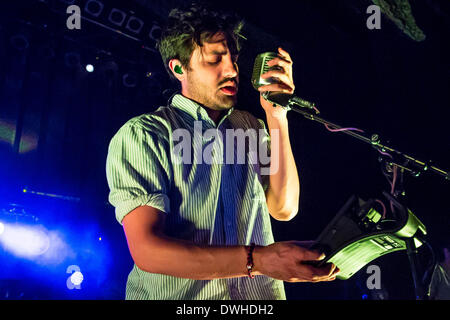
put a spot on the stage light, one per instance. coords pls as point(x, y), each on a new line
point(135, 25)
point(20, 42)
point(2, 228)
point(129, 80)
point(110, 69)
point(72, 59)
point(94, 7)
point(89, 68)
point(117, 17)
point(25, 241)
point(76, 278)
point(155, 32)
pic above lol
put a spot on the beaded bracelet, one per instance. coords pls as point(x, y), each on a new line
point(250, 260)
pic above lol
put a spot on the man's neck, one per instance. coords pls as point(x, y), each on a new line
point(215, 115)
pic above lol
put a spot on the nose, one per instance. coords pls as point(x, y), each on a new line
point(230, 69)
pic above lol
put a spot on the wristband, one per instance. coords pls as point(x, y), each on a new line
point(250, 260)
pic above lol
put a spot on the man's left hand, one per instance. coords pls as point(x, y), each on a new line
point(285, 82)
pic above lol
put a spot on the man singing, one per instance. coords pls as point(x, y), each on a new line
point(202, 230)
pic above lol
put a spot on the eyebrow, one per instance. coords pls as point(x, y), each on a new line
point(222, 53)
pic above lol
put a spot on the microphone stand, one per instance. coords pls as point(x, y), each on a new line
point(403, 161)
point(396, 158)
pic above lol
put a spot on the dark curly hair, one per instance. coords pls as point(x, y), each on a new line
point(191, 26)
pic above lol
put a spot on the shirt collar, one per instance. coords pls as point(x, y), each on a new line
point(193, 108)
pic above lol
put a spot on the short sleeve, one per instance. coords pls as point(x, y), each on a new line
point(137, 170)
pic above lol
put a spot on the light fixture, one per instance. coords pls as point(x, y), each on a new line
point(25, 240)
point(129, 79)
point(72, 59)
point(155, 32)
point(20, 42)
point(94, 7)
point(89, 68)
point(117, 17)
point(135, 24)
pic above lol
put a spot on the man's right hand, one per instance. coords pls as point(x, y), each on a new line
point(286, 261)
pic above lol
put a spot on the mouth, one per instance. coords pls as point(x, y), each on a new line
point(230, 90)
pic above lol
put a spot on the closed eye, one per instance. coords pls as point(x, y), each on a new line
point(214, 63)
point(234, 58)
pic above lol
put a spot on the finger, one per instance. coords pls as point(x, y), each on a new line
point(279, 74)
point(322, 273)
point(321, 277)
point(284, 53)
point(276, 87)
point(327, 269)
point(282, 62)
point(336, 271)
point(312, 274)
point(313, 255)
point(330, 279)
point(332, 270)
point(278, 77)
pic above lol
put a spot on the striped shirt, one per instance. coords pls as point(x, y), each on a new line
point(216, 203)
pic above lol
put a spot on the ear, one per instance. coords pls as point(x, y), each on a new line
point(172, 64)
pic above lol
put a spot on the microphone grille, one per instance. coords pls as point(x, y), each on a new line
point(261, 67)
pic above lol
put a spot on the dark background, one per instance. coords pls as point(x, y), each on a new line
point(56, 121)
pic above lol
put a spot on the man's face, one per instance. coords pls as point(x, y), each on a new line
point(213, 77)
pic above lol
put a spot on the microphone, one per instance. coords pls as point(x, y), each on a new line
point(285, 100)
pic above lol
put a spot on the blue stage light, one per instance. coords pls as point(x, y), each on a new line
point(34, 249)
point(25, 241)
